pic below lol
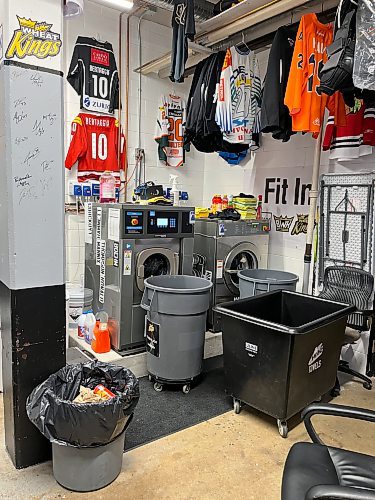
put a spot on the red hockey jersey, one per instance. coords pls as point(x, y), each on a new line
point(356, 138)
point(94, 144)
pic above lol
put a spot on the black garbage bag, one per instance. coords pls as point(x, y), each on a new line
point(51, 409)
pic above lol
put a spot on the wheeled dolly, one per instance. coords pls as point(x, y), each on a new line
point(282, 425)
point(159, 383)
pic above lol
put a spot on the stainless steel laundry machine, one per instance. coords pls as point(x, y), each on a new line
point(128, 244)
point(221, 249)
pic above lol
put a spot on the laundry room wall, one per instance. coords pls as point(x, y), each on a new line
point(101, 22)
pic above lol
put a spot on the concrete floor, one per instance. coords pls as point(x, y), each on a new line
point(228, 457)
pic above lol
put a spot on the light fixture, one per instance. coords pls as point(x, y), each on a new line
point(117, 4)
point(73, 8)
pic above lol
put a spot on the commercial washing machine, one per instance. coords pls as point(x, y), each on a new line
point(125, 244)
point(221, 249)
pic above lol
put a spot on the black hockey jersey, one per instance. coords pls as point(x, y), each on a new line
point(94, 76)
point(275, 116)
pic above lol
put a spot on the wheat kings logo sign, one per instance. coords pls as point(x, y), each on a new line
point(33, 38)
point(283, 223)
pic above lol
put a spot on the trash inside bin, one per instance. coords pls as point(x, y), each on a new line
point(175, 328)
point(281, 351)
point(86, 431)
point(255, 281)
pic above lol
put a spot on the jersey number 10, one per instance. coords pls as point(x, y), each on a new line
point(99, 146)
point(100, 86)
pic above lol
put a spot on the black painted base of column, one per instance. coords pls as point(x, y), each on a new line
point(33, 336)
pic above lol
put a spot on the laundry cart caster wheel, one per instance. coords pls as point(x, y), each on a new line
point(236, 406)
point(150, 378)
point(367, 385)
point(158, 387)
point(186, 388)
point(283, 428)
point(335, 392)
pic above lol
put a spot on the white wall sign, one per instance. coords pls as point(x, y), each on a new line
point(88, 223)
point(102, 271)
point(98, 233)
point(114, 224)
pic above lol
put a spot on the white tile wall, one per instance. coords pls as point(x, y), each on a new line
point(204, 174)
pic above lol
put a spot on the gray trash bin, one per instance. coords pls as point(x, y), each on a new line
point(175, 328)
point(256, 281)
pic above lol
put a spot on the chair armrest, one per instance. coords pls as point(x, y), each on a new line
point(334, 492)
point(335, 410)
point(368, 313)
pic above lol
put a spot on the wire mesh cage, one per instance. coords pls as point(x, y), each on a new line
point(346, 232)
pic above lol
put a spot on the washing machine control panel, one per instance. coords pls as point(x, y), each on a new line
point(134, 222)
point(162, 222)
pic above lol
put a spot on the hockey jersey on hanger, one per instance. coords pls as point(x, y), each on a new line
point(239, 96)
point(170, 131)
point(305, 105)
point(94, 144)
point(93, 75)
point(356, 138)
point(275, 117)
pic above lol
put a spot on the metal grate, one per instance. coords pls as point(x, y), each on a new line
point(346, 233)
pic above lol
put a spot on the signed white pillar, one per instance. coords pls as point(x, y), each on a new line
point(32, 289)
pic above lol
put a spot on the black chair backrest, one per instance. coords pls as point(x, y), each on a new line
point(350, 286)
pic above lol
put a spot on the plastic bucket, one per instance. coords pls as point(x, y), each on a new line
point(256, 281)
point(80, 300)
point(88, 469)
point(175, 325)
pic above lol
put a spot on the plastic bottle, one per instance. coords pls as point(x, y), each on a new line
point(81, 325)
point(107, 188)
point(214, 204)
point(219, 203)
point(175, 193)
point(225, 202)
point(259, 207)
point(90, 322)
point(101, 341)
point(230, 201)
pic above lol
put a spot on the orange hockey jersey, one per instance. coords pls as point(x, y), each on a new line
point(94, 144)
point(305, 105)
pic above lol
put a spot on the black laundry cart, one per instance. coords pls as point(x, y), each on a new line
point(281, 351)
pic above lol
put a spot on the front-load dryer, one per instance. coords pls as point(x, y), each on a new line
point(221, 249)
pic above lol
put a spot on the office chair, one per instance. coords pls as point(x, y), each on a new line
point(351, 286)
point(315, 471)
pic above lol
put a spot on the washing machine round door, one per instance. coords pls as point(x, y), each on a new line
point(155, 262)
point(242, 256)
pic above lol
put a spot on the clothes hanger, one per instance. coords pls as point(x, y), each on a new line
point(243, 42)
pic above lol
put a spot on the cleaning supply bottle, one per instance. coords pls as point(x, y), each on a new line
point(81, 325)
point(219, 203)
point(175, 193)
point(90, 322)
point(101, 341)
point(259, 207)
point(214, 204)
point(225, 202)
point(107, 188)
point(230, 201)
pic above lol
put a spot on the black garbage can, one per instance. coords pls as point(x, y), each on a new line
point(281, 351)
point(87, 438)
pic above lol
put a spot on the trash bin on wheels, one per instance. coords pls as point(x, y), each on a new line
point(87, 438)
point(281, 351)
point(256, 281)
point(175, 328)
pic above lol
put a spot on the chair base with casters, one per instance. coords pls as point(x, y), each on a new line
point(351, 286)
point(315, 471)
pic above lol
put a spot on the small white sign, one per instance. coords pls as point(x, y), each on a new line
point(252, 349)
point(127, 262)
point(98, 233)
point(102, 271)
point(88, 223)
point(219, 269)
point(114, 224)
point(315, 362)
